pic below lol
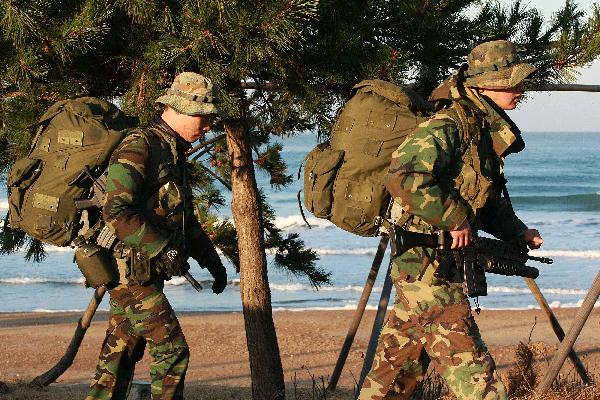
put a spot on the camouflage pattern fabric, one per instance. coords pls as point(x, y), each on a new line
point(140, 314)
point(496, 65)
point(192, 94)
point(431, 323)
point(441, 176)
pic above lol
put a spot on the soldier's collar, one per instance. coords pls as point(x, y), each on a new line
point(506, 136)
point(182, 145)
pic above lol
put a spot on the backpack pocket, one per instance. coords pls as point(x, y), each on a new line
point(22, 175)
point(320, 170)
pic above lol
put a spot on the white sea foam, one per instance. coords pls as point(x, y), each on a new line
point(357, 251)
point(298, 287)
point(520, 290)
point(296, 221)
point(567, 253)
point(350, 306)
point(180, 280)
point(32, 281)
point(44, 310)
point(3, 205)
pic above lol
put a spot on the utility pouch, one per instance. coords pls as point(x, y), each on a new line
point(139, 267)
point(97, 265)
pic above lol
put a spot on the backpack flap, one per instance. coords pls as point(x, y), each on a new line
point(320, 170)
point(21, 176)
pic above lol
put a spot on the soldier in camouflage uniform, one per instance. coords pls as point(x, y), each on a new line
point(149, 207)
point(448, 176)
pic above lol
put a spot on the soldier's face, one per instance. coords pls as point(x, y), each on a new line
point(506, 99)
point(189, 127)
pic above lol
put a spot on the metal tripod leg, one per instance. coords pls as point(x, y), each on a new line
point(360, 309)
point(82, 325)
point(377, 325)
point(560, 334)
point(580, 319)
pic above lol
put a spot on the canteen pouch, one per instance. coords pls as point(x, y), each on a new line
point(320, 170)
point(97, 265)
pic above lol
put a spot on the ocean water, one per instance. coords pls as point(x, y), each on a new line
point(554, 185)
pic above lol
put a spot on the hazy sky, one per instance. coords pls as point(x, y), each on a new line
point(564, 112)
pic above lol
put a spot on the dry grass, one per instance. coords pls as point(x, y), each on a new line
point(530, 362)
point(306, 390)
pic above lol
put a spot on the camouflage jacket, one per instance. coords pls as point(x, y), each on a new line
point(146, 191)
point(444, 174)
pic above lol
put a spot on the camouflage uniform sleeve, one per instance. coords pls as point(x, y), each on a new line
point(414, 175)
point(498, 218)
point(123, 208)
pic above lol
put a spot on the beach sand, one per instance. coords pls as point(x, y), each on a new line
point(309, 343)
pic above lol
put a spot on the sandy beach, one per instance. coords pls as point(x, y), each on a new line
point(309, 343)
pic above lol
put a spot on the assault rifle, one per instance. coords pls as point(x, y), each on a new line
point(481, 256)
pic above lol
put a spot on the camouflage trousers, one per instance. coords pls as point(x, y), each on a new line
point(431, 323)
point(141, 314)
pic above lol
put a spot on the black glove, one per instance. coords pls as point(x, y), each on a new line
point(171, 262)
point(203, 251)
point(218, 271)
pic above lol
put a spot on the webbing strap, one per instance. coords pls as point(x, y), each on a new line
point(302, 209)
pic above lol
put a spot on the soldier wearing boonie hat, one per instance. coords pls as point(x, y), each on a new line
point(447, 176)
point(192, 94)
point(149, 206)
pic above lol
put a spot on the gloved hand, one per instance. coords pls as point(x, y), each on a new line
point(218, 271)
point(172, 262)
point(203, 251)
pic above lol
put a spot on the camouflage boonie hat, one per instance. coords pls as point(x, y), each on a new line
point(496, 65)
point(192, 94)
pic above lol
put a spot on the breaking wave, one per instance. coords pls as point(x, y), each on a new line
point(33, 281)
point(521, 290)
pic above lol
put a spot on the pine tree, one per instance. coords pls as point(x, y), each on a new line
point(284, 66)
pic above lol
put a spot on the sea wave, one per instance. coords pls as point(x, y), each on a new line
point(574, 202)
point(179, 281)
point(302, 287)
point(3, 205)
point(45, 310)
point(522, 290)
point(567, 253)
point(356, 251)
point(296, 222)
point(33, 281)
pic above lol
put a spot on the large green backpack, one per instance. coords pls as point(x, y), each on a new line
point(71, 149)
point(343, 178)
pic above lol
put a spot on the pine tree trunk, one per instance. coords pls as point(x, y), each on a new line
point(265, 362)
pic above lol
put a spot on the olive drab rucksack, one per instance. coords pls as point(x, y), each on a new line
point(343, 178)
point(72, 147)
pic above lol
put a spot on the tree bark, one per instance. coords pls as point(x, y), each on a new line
point(265, 363)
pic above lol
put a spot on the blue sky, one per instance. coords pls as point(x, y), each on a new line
point(562, 112)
